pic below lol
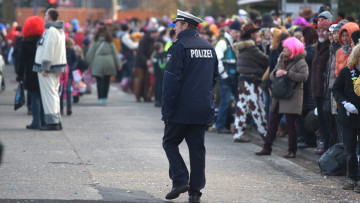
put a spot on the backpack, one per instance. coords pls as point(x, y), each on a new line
point(333, 161)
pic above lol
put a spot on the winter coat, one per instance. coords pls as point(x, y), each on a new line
point(225, 45)
point(273, 58)
point(71, 59)
point(319, 68)
point(341, 57)
point(250, 61)
point(26, 63)
point(309, 102)
point(341, 61)
point(146, 48)
point(190, 74)
point(103, 58)
point(50, 53)
point(343, 90)
point(298, 73)
point(330, 78)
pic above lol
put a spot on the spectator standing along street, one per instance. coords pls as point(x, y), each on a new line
point(291, 63)
point(227, 69)
point(251, 66)
point(318, 71)
point(32, 31)
point(50, 61)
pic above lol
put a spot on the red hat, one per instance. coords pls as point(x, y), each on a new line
point(34, 25)
point(324, 24)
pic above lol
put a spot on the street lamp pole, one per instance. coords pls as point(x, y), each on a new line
point(334, 8)
point(202, 8)
point(283, 8)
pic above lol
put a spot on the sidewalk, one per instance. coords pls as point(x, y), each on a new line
point(113, 153)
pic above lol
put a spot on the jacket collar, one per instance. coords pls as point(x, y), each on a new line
point(188, 33)
point(296, 59)
point(229, 38)
point(56, 24)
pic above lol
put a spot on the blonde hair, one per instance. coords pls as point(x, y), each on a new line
point(69, 43)
point(354, 56)
point(79, 52)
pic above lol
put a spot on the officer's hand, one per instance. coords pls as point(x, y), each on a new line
point(44, 73)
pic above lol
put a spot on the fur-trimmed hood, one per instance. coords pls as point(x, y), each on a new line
point(57, 24)
point(239, 46)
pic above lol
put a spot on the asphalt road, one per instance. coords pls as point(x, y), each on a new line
point(113, 153)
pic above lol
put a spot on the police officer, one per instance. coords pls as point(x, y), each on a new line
point(190, 74)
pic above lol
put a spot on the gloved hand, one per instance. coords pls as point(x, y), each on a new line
point(350, 108)
point(224, 75)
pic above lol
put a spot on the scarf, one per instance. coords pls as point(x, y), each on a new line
point(334, 47)
point(346, 49)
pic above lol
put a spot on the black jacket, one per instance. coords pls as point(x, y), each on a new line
point(343, 90)
point(318, 69)
point(309, 102)
point(190, 74)
point(26, 63)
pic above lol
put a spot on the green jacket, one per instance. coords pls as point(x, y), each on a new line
point(103, 59)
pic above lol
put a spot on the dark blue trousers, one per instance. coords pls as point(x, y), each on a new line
point(194, 136)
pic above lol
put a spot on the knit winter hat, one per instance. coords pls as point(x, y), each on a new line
point(236, 25)
point(340, 24)
point(326, 15)
point(325, 24)
point(355, 36)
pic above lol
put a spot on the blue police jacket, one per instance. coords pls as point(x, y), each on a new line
point(190, 74)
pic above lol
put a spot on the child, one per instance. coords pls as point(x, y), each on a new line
point(64, 77)
point(82, 65)
point(159, 63)
point(71, 62)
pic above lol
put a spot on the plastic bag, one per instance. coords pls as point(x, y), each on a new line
point(19, 96)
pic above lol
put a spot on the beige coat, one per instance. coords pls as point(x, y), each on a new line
point(298, 72)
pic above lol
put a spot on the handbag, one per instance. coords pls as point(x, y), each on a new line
point(282, 87)
point(19, 96)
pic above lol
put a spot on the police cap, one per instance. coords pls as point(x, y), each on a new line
point(187, 17)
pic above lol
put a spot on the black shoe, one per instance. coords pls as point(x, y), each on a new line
point(76, 99)
point(32, 127)
point(194, 198)
point(51, 127)
point(176, 191)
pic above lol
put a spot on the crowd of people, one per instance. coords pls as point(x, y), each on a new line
point(317, 56)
